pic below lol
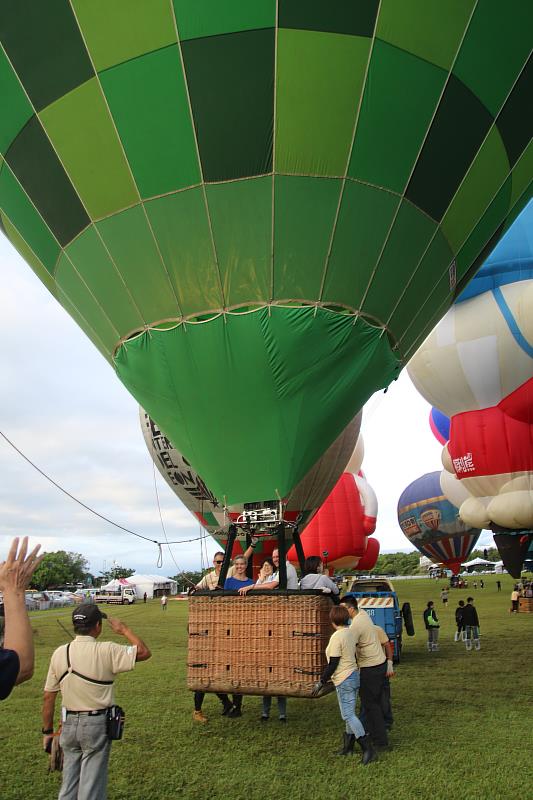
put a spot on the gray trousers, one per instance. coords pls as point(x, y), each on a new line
point(86, 751)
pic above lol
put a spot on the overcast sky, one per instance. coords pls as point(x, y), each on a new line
point(62, 405)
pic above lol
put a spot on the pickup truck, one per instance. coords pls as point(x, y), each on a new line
point(376, 595)
point(124, 596)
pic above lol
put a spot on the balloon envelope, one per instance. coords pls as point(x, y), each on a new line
point(210, 511)
point(433, 525)
point(440, 425)
point(256, 210)
point(338, 527)
point(478, 366)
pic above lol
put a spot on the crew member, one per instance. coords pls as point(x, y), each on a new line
point(84, 671)
point(373, 669)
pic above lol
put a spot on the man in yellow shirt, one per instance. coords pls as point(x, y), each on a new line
point(372, 668)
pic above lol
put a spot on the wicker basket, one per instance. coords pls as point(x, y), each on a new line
point(525, 605)
point(269, 643)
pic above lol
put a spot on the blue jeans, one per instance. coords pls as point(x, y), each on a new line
point(347, 697)
point(282, 706)
point(86, 751)
point(472, 632)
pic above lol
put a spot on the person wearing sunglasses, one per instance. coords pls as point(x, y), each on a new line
point(210, 581)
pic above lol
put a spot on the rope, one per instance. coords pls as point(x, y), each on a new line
point(92, 510)
point(160, 559)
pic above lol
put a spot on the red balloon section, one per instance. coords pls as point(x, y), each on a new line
point(342, 525)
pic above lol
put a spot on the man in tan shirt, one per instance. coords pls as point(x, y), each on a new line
point(84, 671)
point(372, 668)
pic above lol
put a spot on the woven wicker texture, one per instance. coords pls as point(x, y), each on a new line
point(259, 644)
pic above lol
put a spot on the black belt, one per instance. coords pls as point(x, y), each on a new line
point(88, 713)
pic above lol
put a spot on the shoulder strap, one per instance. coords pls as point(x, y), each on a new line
point(69, 670)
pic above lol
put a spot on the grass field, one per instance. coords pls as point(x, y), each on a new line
point(463, 721)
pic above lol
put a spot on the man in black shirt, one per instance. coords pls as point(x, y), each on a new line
point(470, 621)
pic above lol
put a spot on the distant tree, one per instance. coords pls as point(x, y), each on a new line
point(115, 574)
point(60, 568)
point(184, 579)
point(397, 564)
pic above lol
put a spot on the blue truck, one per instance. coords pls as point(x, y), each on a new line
point(375, 594)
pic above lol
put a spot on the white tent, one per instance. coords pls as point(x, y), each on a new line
point(153, 585)
point(478, 562)
point(116, 584)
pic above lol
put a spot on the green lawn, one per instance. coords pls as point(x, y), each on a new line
point(463, 721)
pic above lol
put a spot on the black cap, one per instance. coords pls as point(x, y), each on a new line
point(88, 614)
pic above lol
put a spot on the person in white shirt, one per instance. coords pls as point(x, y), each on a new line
point(292, 577)
point(315, 579)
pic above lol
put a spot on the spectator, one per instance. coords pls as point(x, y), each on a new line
point(481, 583)
point(164, 602)
point(84, 671)
point(343, 671)
point(432, 626)
point(444, 596)
point(499, 585)
point(460, 632)
point(145, 597)
point(471, 623)
point(515, 597)
point(16, 656)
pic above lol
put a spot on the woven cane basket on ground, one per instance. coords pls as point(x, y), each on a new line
point(266, 643)
point(525, 605)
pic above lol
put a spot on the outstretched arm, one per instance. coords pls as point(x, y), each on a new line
point(15, 577)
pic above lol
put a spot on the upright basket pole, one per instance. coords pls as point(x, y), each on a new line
point(299, 548)
point(232, 535)
point(250, 564)
point(282, 550)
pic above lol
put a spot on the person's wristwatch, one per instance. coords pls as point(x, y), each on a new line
point(46, 731)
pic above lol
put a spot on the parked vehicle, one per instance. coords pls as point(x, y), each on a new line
point(376, 596)
point(125, 595)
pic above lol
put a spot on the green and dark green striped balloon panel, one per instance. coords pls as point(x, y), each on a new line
point(257, 210)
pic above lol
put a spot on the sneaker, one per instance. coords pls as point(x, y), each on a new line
point(283, 719)
point(235, 712)
point(264, 718)
point(226, 709)
point(199, 716)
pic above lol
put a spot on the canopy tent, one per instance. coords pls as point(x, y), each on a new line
point(153, 585)
point(116, 584)
point(478, 562)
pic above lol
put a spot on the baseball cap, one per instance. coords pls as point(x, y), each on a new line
point(87, 614)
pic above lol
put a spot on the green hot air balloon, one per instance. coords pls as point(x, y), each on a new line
point(257, 210)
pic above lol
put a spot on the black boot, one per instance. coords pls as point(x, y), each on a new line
point(348, 743)
point(369, 754)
